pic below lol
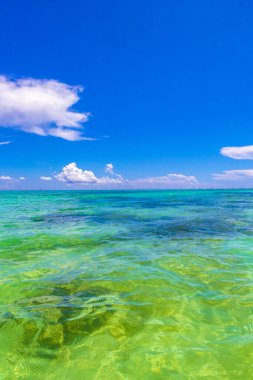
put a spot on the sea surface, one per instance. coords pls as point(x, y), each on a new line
point(126, 285)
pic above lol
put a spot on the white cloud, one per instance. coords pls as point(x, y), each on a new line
point(109, 168)
point(8, 178)
point(42, 107)
point(233, 175)
point(5, 178)
point(71, 174)
point(174, 180)
point(5, 142)
point(46, 178)
point(238, 152)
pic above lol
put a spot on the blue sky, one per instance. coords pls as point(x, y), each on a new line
point(167, 84)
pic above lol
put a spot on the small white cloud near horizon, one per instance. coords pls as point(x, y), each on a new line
point(234, 175)
point(13, 179)
point(238, 152)
point(5, 178)
point(42, 107)
point(71, 174)
point(173, 180)
point(5, 142)
point(44, 178)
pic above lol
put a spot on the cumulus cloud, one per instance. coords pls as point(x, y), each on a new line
point(22, 178)
point(71, 174)
point(5, 178)
point(5, 142)
point(233, 175)
point(238, 152)
point(109, 168)
point(46, 178)
point(42, 107)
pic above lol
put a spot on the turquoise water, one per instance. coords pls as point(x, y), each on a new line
point(126, 285)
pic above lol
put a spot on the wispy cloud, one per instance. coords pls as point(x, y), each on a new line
point(43, 178)
point(42, 107)
point(13, 179)
point(5, 142)
point(238, 152)
point(234, 175)
point(5, 178)
point(174, 180)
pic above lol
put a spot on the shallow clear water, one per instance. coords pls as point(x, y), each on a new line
point(126, 285)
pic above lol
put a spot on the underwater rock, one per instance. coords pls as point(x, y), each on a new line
point(93, 315)
point(8, 315)
point(30, 331)
point(79, 314)
point(69, 312)
point(52, 315)
point(117, 330)
point(116, 325)
point(51, 336)
point(126, 322)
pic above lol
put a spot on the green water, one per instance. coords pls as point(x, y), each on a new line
point(126, 285)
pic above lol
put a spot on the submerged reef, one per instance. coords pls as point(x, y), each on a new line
point(67, 314)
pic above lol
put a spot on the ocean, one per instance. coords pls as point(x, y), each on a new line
point(125, 285)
